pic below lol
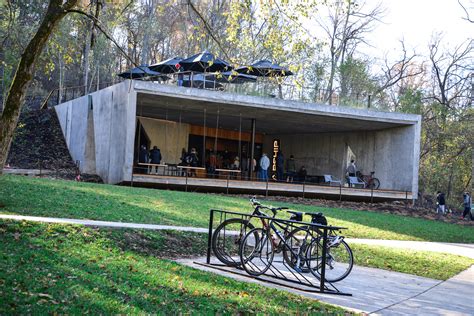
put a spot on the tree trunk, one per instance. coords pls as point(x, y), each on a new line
point(24, 73)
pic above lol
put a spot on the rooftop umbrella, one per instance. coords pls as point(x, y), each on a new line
point(200, 81)
point(264, 68)
point(142, 72)
point(232, 77)
point(168, 66)
point(204, 62)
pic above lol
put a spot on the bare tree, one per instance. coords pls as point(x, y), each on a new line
point(451, 73)
point(348, 22)
point(466, 11)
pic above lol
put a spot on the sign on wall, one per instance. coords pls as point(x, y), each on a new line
point(276, 148)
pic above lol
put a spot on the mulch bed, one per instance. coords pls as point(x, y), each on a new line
point(397, 207)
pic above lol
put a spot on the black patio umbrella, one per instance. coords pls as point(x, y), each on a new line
point(142, 72)
point(231, 77)
point(168, 66)
point(204, 62)
point(200, 81)
point(264, 68)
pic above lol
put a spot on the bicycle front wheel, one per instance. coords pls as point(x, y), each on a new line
point(339, 260)
point(226, 240)
point(256, 252)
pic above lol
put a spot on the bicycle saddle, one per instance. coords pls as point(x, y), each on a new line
point(297, 216)
point(318, 218)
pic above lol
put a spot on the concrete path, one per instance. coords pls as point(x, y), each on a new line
point(384, 292)
point(466, 250)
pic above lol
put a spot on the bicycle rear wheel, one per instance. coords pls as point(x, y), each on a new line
point(374, 183)
point(256, 252)
point(339, 260)
point(295, 248)
point(226, 240)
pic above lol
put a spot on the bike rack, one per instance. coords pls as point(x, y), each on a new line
point(279, 272)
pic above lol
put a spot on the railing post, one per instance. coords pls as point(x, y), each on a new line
point(266, 188)
point(340, 192)
point(209, 237)
point(186, 180)
point(406, 200)
point(372, 194)
point(304, 182)
point(228, 176)
point(323, 260)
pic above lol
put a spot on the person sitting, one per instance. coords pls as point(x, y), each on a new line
point(302, 173)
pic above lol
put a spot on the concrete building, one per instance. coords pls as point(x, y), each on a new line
point(104, 131)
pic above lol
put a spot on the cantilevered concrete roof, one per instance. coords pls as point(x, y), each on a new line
point(273, 116)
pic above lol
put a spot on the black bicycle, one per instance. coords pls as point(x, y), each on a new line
point(229, 234)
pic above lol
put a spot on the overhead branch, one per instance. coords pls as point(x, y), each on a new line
point(102, 29)
point(208, 28)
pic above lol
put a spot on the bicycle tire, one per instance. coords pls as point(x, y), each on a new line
point(374, 183)
point(228, 256)
point(262, 245)
point(331, 260)
point(288, 255)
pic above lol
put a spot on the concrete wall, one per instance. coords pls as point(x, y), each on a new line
point(391, 153)
point(99, 130)
point(170, 137)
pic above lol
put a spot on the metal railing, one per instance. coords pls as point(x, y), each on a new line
point(262, 87)
point(303, 187)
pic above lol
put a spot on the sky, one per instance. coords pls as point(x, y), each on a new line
point(416, 21)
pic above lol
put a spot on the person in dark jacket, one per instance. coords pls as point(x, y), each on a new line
point(467, 206)
point(302, 173)
point(143, 157)
point(290, 169)
point(441, 202)
point(155, 157)
point(280, 165)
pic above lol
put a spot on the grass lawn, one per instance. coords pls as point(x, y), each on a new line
point(58, 198)
point(57, 269)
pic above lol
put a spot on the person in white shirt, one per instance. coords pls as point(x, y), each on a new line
point(264, 164)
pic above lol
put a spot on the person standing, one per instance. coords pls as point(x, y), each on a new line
point(467, 206)
point(143, 158)
point(212, 163)
point(155, 157)
point(264, 164)
point(290, 169)
point(280, 163)
point(351, 171)
point(441, 202)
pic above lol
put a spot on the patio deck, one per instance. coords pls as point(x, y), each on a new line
point(271, 188)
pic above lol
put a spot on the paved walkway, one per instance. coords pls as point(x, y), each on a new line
point(382, 292)
point(466, 250)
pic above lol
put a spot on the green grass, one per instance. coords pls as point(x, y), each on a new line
point(59, 269)
point(434, 265)
point(58, 198)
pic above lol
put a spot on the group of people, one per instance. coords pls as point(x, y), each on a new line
point(281, 164)
point(467, 204)
point(153, 156)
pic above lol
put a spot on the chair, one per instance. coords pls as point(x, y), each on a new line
point(354, 181)
point(330, 180)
